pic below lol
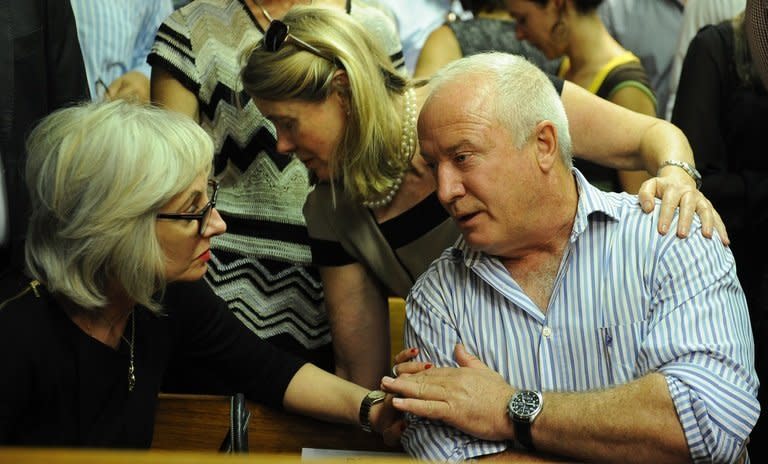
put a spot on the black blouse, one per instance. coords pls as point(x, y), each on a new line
point(60, 387)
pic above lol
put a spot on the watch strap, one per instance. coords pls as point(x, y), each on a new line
point(523, 434)
point(523, 409)
point(373, 397)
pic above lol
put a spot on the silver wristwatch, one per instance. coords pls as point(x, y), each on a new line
point(373, 397)
point(687, 167)
point(523, 409)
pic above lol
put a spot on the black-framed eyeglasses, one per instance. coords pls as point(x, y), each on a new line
point(201, 217)
point(278, 34)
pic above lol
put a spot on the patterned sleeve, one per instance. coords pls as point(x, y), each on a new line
point(710, 367)
point(430, 326)
point(173, 51)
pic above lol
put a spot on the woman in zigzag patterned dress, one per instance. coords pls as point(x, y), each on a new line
point(262, 266)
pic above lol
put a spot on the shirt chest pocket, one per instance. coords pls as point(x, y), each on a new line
point(620, 351)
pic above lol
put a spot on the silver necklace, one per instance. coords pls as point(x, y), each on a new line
point(407, 147)
point(131, 367)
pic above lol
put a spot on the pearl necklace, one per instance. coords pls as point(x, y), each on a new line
point(407, 147)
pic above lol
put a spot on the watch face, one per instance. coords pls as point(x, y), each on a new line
point(525, 403)
point(376, 395)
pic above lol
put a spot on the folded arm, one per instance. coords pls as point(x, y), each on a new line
point(635, 422)
point(671, 409)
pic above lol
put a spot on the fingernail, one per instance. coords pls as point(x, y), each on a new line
point(647, 205)
point(387, 380)
point(664, 227)
point(413, 350)
point(397, 401)
point(428, 366)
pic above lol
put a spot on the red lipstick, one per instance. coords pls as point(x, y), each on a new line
point(205, 256)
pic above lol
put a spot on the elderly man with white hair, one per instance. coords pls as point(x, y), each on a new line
point(592, 337)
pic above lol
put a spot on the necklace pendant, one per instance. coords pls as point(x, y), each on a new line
point(131, 367)
point(131, 379)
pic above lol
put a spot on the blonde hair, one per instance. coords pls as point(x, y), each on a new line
point(97, 176)
point(367, 160)
point(523, 95)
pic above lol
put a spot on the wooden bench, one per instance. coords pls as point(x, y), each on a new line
point(200, 422)
point(396, 323)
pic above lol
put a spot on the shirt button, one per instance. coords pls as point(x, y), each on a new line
point(547, 332)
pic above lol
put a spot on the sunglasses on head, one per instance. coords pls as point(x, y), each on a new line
point(278, 34)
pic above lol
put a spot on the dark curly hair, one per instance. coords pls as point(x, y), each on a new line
point(756, 29)
point(582, 6)
point(477, 6)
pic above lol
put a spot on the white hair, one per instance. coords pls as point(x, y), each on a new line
point(523, 95)
point(97, 176)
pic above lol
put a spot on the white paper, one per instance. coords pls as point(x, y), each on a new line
point(320, 453)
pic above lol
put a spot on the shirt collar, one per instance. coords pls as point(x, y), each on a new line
point(592, 201)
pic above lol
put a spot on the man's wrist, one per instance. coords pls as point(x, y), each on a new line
point(523, 408)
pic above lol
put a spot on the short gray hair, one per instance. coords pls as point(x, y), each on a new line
point(524, 96)
point(97, 175)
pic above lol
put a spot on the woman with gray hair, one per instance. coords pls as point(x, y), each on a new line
point(122, 218)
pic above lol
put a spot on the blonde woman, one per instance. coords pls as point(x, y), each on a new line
point(373, 218)
point(262, 266)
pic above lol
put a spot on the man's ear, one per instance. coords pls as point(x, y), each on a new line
point(547, 148)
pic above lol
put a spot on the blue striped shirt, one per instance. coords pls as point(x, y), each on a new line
point(116, 36)
point(627, 302)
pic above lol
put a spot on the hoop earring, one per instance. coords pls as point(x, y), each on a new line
point(560, 32)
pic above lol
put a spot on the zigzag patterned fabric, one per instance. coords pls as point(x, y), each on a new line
point(262, 265)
